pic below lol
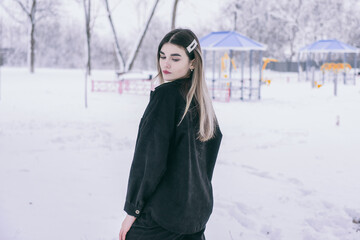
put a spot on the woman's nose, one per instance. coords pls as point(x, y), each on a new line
point(167, 64)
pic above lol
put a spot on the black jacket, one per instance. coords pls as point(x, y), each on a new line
point(171, 170)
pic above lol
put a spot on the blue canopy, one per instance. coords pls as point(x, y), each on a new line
point(229, 41)
point(325, 46)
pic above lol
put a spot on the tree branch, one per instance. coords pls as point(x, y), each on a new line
point(8, 11)
point(23, 8)
point(96, 15)
point(173, 19)
point(116, 5)
point(33, 9)
point(129, 64)
point(119, 55)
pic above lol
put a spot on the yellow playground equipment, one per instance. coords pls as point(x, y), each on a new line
point(317, 85)
point(333, 67)
point(265, 62)
point(225, 65)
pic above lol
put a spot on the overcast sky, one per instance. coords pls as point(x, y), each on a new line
point(129, 16)
point(190, 13)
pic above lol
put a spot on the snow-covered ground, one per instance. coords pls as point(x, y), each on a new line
point(288, 167)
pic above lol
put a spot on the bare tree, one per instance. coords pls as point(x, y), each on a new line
point(119, 55)
point(126, 66)
point(87, 11)
point(133, 54)
point(87, 14)
point(174, 14)
point(35, 10)
point(89, 25)
point(30, 12)
point(31, 15)
point(90, 17)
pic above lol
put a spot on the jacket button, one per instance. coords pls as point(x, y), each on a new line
point(137, 211)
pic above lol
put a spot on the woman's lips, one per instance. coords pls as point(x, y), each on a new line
point(166, 72)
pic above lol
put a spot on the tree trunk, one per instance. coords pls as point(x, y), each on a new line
point(87, 9)
point(88, 42)
point(174, 14)
point(119, 55)
point(131, 60)
point(31, 47)
point(31, 51)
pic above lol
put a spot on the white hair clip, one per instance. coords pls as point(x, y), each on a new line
point(192, 46)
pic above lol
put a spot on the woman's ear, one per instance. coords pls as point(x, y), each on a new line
point(192, 64)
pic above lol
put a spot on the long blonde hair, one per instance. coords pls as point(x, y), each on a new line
point(198, 88)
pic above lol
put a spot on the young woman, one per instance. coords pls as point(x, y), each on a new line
point(169, 193)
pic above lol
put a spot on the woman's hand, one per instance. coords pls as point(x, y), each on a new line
point(126, 225)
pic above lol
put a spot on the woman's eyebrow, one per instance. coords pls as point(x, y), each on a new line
point(173, 54)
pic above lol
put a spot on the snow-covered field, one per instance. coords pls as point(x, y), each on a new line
point(288, 167)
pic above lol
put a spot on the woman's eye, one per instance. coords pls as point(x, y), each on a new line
point(176, 60)
point(162, 57)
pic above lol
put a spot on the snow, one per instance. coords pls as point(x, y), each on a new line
point(288, 167)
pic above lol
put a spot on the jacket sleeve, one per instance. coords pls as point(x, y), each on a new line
point(151, 150)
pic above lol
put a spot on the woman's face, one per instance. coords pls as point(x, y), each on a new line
point(174, 62)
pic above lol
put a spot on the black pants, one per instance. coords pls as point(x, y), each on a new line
point(145, 228)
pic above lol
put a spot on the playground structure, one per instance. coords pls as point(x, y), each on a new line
point(225, 66)
point(335, 67)
point(267, 81)
point(322, 68)
point(231, 82)
point(223, 91)
point(329, 70)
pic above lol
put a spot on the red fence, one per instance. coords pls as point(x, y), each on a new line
point(133, 86)
point(144, 86)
